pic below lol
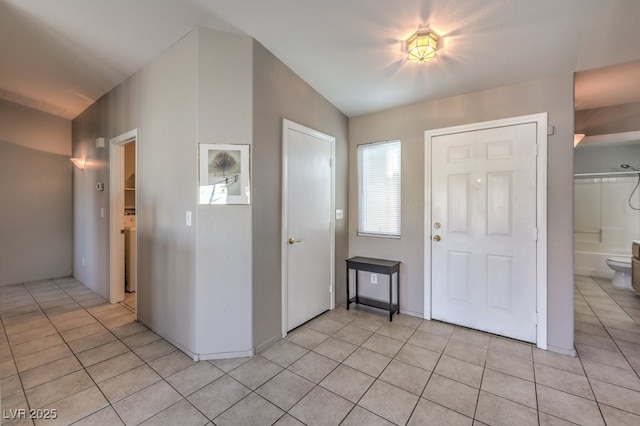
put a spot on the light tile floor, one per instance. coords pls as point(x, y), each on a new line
point(63, 347)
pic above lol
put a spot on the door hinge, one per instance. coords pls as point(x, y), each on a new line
point(535, 234)
point(535, 150)
point(330, 162)
point(330, 289)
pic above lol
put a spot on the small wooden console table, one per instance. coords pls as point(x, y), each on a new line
point(377, 266)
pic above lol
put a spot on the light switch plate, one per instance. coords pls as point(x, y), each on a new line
point(339, 214)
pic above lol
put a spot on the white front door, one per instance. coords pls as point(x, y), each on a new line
point(483, 223)
point(307, 225)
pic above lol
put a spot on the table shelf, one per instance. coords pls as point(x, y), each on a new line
point(377, 266)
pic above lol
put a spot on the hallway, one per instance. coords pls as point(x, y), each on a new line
point(64, 348)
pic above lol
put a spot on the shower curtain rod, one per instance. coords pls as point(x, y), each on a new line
point(604, 174)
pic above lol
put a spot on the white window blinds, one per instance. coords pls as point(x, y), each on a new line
point(379, 170)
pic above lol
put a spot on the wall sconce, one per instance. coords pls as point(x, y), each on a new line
point(421, 47)
point(80, 163)
point(577, 138)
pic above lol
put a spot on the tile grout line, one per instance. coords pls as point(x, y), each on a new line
point(86, 367)
point(580, 358)
point(598, 403)
point(13, 359)
point(75, 355)
point(145, 362)
point(374, 377)
point(315, 385)
point(607, 330)
point(334, 369)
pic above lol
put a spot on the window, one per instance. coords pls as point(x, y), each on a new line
point(379, 189)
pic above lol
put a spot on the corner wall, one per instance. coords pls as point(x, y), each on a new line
point(224, 235)
point(553, 95)
point(160, 101)
point(194, 282)
point(279, 93)
point(36, 212)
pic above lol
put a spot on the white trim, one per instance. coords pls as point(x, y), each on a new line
point(563, 351)
point(610, 138)
point(290, 125)
point(541, 215)
point(266, 345)
point(223, 355)
point(194, 355)
point(116, 211)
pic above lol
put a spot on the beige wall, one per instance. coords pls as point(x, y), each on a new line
point(36, 195)
point(612, 119)
point(213, 288)
point(279, 93)
point(408, 123)
point(224, 261)
point(160, 101)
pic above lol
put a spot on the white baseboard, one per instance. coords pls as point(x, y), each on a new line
point(224, 355)
point(266, 345)
point(562, 351)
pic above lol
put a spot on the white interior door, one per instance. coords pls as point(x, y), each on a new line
point(483, 223)
point(308, 224)
point(116, 214)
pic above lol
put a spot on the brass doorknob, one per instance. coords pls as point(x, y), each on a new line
point(292, 240)
point(436, 238)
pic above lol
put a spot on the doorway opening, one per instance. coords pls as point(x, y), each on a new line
point(129, 224)
point(122, 228)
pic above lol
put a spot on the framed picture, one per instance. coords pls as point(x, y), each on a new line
point(224, 174)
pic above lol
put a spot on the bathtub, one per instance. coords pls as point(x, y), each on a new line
point(594, 264)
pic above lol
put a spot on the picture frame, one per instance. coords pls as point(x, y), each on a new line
point(224, 174)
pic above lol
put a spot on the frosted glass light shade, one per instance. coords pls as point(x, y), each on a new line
point(421, 47)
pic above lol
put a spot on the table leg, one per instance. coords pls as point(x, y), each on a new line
point(390, 297)
point(398, 289)
point(348, 288)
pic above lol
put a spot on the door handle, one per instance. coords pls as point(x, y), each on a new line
point(436, 238)
point(293, 240)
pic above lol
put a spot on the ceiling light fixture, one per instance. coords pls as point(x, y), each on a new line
point(421, 47)
point(80, 163)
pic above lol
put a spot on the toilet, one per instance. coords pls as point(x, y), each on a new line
point(622, 267)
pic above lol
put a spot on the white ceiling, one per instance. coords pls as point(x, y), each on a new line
point(60, 56)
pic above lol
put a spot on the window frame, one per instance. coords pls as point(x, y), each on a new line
point(396, 215)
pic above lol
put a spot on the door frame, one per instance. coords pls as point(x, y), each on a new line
point(286, 126)
point(540, 120)
point(116, 212)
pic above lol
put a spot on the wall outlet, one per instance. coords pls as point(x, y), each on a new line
point(374, 278)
